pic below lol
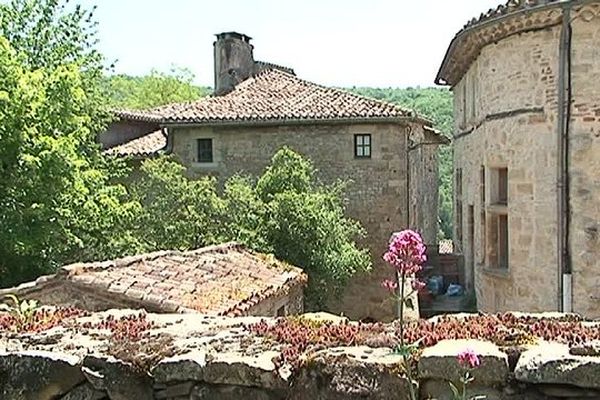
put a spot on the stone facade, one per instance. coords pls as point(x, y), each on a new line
point(506, 122)
point(378, 194)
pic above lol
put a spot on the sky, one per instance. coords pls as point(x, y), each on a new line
point(377, 43)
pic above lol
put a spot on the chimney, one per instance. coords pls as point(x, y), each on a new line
point(234, 61)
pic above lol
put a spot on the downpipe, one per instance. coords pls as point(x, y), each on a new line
point(565, 277)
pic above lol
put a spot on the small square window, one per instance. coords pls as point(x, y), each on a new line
point(205, 150)
point(362, 146)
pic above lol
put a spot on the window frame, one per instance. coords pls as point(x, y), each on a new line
point(498, 221)
point(199, 158)
point(362, 145)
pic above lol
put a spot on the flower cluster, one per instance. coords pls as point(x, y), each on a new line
point(468, 358)
point(300, 336)
point(40, 320)
point(406, 252)
point(127, 328)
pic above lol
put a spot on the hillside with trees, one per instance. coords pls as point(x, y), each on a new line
point(155, 89)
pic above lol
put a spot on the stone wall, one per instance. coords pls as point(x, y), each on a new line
point(123, 355)
point(506, 117)
point(377, 194)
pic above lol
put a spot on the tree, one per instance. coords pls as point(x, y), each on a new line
point(178, 212)
point(153, 90)
point(56, 197)
point(306, 225)
point(285, 212)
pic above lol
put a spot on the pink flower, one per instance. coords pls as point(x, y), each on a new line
point(417, 285)
point(389, 285)
point(468, 358)
point(406, 252)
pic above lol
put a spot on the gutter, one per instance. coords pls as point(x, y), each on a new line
point(565, 277)
point(297, 121)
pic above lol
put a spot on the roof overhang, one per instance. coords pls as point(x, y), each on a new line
point(300, 121)
point(498, 24)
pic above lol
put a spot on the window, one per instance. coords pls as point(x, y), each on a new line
point(499, 186)
point(205, 151)
point(473, 94)
point(502, 186)
point(482, 217)
point(458, 209)
point(362, 146)
point(464, 103)
point(482, 184)
point(497, 232)
point(498, 255)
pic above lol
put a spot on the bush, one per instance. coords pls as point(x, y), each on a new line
point(285, 212)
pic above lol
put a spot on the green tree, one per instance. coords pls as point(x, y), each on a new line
point(178, 212)
point(306, 226)
point(435, 104)
point(285, 212)
point(56, 200)
point(156, 89)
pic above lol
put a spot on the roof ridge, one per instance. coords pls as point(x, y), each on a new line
point(338, 89)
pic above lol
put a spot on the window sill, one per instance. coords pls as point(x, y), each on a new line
point(496, 272)
point(497, 208)
point(202, 165)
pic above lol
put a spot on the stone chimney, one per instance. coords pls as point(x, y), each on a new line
point(234, 61)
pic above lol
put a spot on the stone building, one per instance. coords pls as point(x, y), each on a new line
point(227, 279)
point(389, 153)
point(526, 80)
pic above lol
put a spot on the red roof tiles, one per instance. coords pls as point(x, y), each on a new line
point(146, 145)
point(227, 279)
point(274, 95)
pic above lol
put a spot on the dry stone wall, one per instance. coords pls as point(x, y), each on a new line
point(125, 355)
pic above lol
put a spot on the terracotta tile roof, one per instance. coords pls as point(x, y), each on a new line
point(227, 279)
point(137, 115)
point(512, 17)
point(274, 95)
point(144, 146)
point(263, 65)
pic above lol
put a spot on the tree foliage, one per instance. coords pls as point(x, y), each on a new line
point(155, 89)
point(56, 200)
point(285, 212)
point(435, 104)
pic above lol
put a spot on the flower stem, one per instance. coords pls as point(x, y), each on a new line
point(402, 279)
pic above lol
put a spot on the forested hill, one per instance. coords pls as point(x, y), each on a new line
point(436, 105)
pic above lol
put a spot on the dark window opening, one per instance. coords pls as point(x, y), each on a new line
point(205, 150)
point(281, 311)
point(503, 185)
point(362, 146)
point(499, 241)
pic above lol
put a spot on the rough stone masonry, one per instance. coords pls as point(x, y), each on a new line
point(128, 355)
